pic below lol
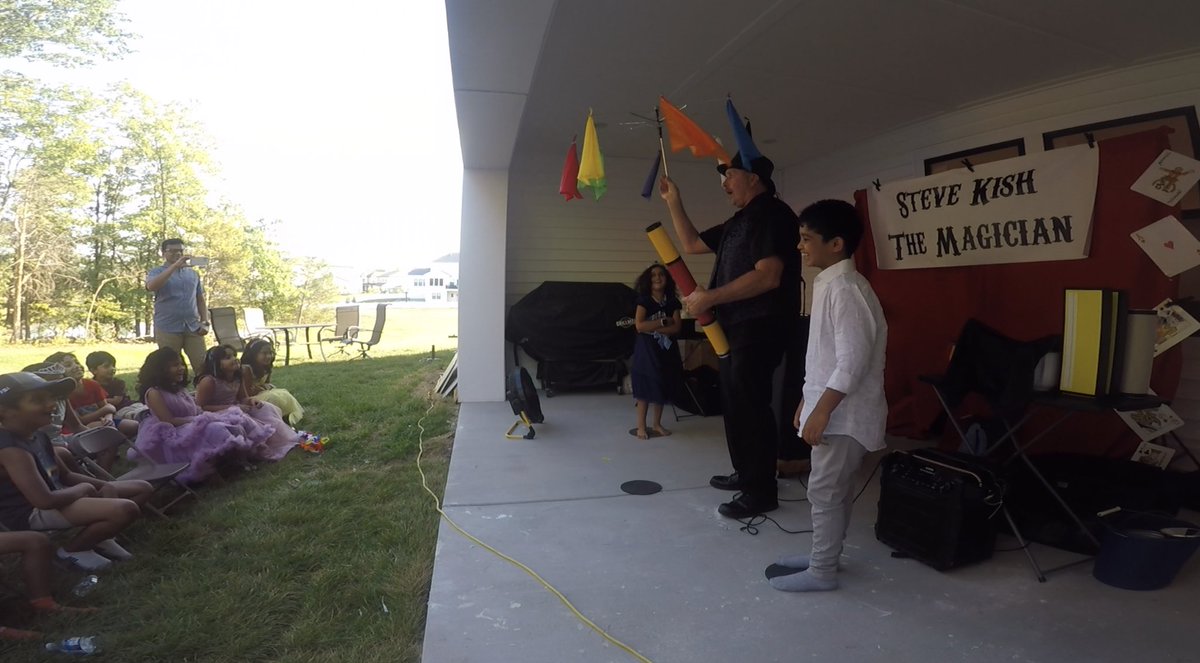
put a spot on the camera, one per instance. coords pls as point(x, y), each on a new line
point(195, 261)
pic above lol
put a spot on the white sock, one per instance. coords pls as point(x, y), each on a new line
point(85, 559)
point(110, 548)
point(794, 561)
point(804, 581)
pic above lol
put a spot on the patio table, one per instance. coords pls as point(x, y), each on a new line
point(293, 330)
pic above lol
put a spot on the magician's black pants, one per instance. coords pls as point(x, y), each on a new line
point(746, 374)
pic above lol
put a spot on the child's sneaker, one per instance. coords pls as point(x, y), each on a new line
point(113, 550)
point(85, 559)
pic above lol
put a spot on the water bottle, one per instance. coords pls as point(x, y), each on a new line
point(85, 586)
point(75, 646)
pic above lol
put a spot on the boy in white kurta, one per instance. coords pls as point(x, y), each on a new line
point(844, 410)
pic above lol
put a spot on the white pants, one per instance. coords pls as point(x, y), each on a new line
point(831, 493)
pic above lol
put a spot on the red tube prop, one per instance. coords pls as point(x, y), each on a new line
point(679, 271)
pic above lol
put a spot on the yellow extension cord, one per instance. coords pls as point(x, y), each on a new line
point(437, 504)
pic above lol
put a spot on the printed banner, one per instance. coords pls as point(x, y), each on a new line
point(1034, 208)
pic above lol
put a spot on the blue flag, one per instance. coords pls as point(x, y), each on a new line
point(652, 177)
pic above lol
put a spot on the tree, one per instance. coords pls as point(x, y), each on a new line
point(62, 32)
point(41, 144)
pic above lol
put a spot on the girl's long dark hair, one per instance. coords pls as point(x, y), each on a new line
point(250, 356)
point(642, 285)
point(153, 373)
point(212, 362)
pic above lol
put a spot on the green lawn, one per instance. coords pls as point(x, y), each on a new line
point(316, 558)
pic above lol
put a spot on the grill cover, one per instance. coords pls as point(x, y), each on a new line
point(569, 321)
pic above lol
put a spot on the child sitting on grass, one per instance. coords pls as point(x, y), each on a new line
point(89, 400)
point(38, 492)
point(258, 359)
point(219, 388)
point(35, 550)
point(179, 430)
point(104, 371)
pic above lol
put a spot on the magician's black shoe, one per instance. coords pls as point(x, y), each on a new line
point(726, 482)
point(745, 505)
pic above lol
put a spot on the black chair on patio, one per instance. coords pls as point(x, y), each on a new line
point(376, 332)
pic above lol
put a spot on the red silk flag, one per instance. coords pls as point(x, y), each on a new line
point(568, 186)
point(686, 133)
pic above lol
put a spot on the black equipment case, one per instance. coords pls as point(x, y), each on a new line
point(938, 507)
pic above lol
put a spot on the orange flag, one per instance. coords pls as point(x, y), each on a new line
point(686, 133)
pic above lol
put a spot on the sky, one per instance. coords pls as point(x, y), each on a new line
point(337, 119)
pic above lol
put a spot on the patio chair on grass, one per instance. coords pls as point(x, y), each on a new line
point(344, 318)
point(90, 443)
point(376, 332)
point(256, 324)
point(225, 327)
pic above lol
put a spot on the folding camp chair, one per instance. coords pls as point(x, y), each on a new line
point(95, 441)
point(345, 317)
point(1000, 370)
point(376, 332)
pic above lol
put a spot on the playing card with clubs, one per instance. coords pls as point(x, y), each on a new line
point(1169, 177)
point(1169, 245)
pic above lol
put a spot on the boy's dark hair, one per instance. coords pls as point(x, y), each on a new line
point(834, 218)
point(250, 355)
point(99, 358)
point(167, 242)
point(152, 372)
point(57, 357)
point(642, 285)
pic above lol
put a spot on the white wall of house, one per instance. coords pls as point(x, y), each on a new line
point(551, 239)
point(901, 154)
point(482, 273)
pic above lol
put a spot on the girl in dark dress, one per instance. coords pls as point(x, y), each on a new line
point(656, 364)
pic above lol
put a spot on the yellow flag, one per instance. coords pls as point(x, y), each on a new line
point(591, 164)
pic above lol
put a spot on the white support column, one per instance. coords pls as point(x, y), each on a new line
point(481, 285)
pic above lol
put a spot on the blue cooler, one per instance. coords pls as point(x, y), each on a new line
point(1144, 551)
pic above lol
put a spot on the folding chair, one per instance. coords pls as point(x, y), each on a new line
point(256, 324)
point(95, 441)
point(1000, 370)
point(225, 327)
point(345, 317)
point(376, 332)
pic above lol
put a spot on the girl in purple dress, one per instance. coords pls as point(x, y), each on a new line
point(220, 388)
point(177, 430)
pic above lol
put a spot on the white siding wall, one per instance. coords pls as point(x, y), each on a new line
point(901, 154)
point(550, 239)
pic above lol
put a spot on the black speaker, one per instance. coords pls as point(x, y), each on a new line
point(938, 507)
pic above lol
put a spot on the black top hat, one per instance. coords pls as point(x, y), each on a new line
point(15, 385)
point(761, 166)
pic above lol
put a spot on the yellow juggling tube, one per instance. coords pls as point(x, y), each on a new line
point(687, 284)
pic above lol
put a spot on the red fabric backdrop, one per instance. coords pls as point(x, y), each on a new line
point(926, 308)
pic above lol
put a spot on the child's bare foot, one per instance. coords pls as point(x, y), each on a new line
point(9, 633)
point(661, 431)
point(642, 434)
point(49, 605)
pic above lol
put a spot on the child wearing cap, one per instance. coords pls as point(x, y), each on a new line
point(39, 492)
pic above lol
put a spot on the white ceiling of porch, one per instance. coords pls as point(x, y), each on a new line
point(814, 76)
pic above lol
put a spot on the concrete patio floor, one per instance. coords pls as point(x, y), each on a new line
point(669, 577)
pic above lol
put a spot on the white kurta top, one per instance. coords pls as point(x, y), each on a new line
point(846, 343)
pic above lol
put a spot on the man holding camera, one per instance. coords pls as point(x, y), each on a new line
point(180, 311)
